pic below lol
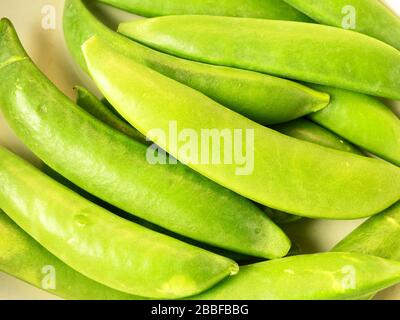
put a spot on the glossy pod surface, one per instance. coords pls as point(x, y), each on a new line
point(302, 51)
point(362, 120)
point(85, 236)
point(287, 174)
point(266, 9)
point(115, 168)
point(309, 131)
point(24, 258)
point(263, 98)
point(320, 276)
point(379, 236)
point(91, 104)
point(370, 17)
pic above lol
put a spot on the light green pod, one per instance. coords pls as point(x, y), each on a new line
point(120, 170)
point(265, 99)
point(265, 9)
point(277, 171)
point(371, 17)
point(378, 236)
point(323, 276)
point(91, 104)
point(24, 258)
point(302, 51)
point(85, 236)
point(362, 120)
point(308, 131)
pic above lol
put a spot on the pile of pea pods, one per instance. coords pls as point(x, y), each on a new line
point(115, 225)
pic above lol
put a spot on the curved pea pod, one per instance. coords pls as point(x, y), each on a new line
point(121, 171)
point(370, 17)
point(362, 120)
point(24, 258)
point(275, 170)
point(302, 51)
point(308, 131)
point(265, 9)
point(91, 104)
point(263, 98)
point(96, 104)
point(378, 236)
point(323, 276)
point(85, 236)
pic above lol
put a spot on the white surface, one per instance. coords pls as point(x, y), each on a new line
point(47, 49)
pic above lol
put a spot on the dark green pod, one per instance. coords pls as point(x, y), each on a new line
point(263, 98)
point(266, 9)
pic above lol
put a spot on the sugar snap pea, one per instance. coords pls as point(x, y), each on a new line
point(309, 131)
point(133, 259)
point(299, 128)
point(91, 104)
point(277, 216)
point(370, 17)
point(265, 99)
point(283, 173)
point(362, 120)
point(240, 258)
point(323, 276)
point(378, 236)
point(266, 9)
point(115, 168)
point(302, 51)
point(24, 258)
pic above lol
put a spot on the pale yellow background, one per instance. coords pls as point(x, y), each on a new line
point(48, 50)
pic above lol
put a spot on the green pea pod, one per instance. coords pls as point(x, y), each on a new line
point(265, 9)
point(323, 276)
point(265, 99)
point(94, 104)
point(240, 258)
point(24, 258)
point(299, 128)
point(302, 51)
point(378, 236)
point(119, 170)
point(308, 131)
point(362, 120)
point(86, 236)
point(91, 104)
point(370, 17)
point(277, 171)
